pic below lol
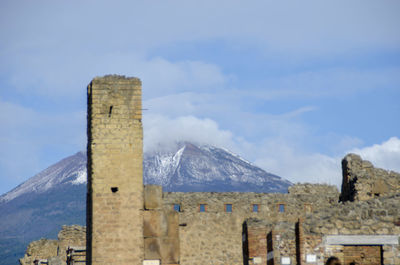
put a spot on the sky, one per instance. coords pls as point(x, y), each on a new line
point(291, 86)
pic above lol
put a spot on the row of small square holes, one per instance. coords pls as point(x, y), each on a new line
point(228, 208)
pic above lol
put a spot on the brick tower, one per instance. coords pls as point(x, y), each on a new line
point(115, 173)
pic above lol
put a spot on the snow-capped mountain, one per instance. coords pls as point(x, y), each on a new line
point(187, 168)
point(207, 168)
point(57, 195)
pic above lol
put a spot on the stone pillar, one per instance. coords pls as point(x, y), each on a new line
point(161, 228)
point(115, 173)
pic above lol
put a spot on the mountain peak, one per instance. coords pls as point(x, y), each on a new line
point(185, 167)
point(192, 167)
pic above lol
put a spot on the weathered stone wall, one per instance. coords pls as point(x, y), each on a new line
point(368, 224)
point(270, 242)
point(55, 249)
point(361, 181)
point(70, 236)
point(316, 189)
point(40, 249)
point(365, 225)
point(115, 174)
point(284, 242)
point(373, 217)
point(215, 236)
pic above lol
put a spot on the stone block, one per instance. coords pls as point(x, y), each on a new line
point(380, 187)
point(152, 223)
point(152, 197)
point(152, 249)
point(55, 261)
point(170, 250)
point(172, 218)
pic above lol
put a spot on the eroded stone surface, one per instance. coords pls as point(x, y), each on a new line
point(55, 250)
point(362, 181)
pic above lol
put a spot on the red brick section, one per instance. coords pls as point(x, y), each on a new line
point(257, 240)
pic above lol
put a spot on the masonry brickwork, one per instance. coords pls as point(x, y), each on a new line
point(115, 174)
point(215, 236)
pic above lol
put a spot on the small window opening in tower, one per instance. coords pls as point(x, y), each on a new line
point(110, 111)
point(228, 208)
point(281, 208)
point(114, 189)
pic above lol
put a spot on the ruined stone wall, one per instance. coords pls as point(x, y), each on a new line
point(312, 189)
point(362, 181)
point(284, 242)
point(215, 236)
point(115, 174)
point(70, 236)
point(362, 231)
point(40, 249)
point(364, 227)
point(55, 249)
point(379, 216)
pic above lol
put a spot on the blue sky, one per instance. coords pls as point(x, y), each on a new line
point(290, 86)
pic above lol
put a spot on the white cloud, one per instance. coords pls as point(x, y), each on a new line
point(280, 153)
point(298, 166)
point(162, 132)
point(285, 159)
point(385, 155)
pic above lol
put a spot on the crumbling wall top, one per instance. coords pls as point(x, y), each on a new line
point(362, 181)
point(308, 188)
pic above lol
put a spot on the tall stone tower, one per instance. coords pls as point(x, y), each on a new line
point(115, 173)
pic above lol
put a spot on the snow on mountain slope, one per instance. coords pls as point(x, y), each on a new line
point(208, 168)
point(69, 170)
point(160, 166)
point(188, 167)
